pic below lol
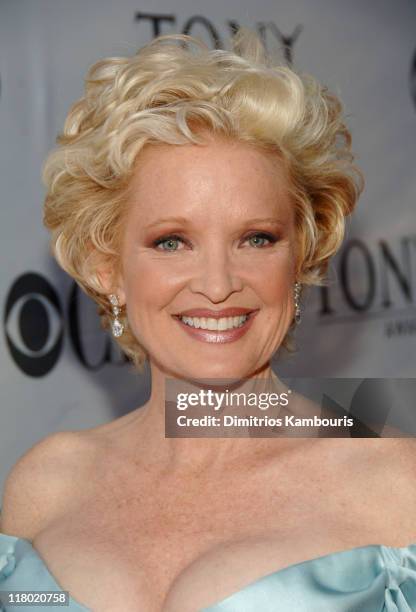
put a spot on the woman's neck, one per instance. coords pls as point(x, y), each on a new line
point(203, 454)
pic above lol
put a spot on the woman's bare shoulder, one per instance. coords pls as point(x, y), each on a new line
point(405, 452)
point(391, 463)
point(38, 485)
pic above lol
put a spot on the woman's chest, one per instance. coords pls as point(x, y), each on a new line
point(134, 550)
point(170, 546)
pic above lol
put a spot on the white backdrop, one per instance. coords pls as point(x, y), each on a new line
point(58, 369)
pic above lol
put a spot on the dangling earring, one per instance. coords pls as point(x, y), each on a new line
point(296, 292)
point(117, 326)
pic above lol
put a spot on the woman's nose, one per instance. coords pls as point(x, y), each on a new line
point(216, 276)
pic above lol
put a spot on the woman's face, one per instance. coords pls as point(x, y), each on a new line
point(208, 227)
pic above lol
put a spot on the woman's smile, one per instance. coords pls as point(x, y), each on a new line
point(217, 329)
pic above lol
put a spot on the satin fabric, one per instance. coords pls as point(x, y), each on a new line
point(372, 578)
point(22, 569)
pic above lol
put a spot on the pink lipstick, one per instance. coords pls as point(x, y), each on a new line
point(217, 336)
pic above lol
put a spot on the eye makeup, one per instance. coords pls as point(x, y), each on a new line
point(271, 238)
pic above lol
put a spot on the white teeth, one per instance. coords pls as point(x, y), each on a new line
point(224, 323)
point(214, 324)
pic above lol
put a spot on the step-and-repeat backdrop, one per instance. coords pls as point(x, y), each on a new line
point(69, 374)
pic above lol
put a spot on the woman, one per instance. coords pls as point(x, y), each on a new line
point(192, 195)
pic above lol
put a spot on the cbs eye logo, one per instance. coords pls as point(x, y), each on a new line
point(33, 324)
point(34, 327)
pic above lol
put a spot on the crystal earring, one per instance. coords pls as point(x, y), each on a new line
point(117, 326)
point(296, 292)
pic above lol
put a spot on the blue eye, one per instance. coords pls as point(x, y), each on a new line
point(168, 240)
point(170, 243)
point(262, 236)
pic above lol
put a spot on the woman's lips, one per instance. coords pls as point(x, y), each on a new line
point(220, 336)
point(234, 311)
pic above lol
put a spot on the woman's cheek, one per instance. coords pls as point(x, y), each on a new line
point(269, 273)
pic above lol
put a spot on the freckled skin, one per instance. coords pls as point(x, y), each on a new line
point(218, 188)
point(164, 524)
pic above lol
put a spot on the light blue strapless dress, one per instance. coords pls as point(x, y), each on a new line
point(372, 578)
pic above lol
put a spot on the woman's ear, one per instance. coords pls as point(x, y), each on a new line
point(111, 281)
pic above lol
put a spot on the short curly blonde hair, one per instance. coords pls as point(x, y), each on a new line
point(171, 93)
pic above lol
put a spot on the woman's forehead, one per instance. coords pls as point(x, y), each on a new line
point(201, 174)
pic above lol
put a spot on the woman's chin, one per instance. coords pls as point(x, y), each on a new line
point(203, 369)
point(217, 372)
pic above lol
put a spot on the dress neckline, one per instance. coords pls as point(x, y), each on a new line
point(34, 552)
point(397, 551)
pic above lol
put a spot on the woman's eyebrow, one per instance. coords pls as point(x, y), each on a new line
point(183, 220)
point(265, 220)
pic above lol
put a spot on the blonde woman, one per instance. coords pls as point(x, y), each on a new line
point(194, 192)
